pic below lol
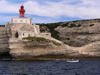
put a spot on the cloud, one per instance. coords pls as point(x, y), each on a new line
point(81, 8)
point(84, 9)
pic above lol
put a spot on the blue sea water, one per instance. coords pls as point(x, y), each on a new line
point(50, 67)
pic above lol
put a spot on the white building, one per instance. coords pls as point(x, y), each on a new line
point(21, 20)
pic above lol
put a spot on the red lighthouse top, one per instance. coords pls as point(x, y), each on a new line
point(22, 11)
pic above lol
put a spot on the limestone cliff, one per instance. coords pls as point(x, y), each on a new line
point(76, 33)
point(81, 38)
point(4, 43)
point(25, 49)
point(35, 48)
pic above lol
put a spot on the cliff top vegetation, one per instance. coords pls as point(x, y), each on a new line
point(2, 25)
point(41, 39)
point(51, 27)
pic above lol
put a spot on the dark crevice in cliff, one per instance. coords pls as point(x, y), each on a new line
point(5, 55)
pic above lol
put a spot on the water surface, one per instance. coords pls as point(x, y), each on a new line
point(51, 67)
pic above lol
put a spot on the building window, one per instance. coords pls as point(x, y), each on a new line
point(47, 34)
point(28, 35)
point(15, 21)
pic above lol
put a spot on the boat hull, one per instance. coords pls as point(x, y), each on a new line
point(72, 60)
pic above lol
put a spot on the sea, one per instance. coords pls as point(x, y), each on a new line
point(50, 67)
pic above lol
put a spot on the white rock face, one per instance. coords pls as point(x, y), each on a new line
point(88, 32)
point(4, 44)
point(31, 49)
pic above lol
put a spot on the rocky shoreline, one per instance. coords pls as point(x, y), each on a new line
point(35, 50)
point(28, 50)
point(78, 42)
point(46, 58)
point(54, 58)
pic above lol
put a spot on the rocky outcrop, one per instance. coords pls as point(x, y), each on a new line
point(4, 43)
point(92, 49)
point(34, 48)
point(24, 49)
point(4, 40)
point(81, 38)
point(74, 33)
point(87, 32)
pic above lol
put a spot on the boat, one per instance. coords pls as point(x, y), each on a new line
point(73, 60)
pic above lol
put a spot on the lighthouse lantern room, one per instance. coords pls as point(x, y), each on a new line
point(22, 11)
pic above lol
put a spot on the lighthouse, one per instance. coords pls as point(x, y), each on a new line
point(22, 26)
point(22, 18)
point(22, 11)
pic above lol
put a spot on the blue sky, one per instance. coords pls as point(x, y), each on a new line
point(49, 11)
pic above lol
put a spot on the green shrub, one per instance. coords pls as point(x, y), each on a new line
point(68, 38)
point(86, 20)
point(41, 39)
point(51, 27)
point(91, 25)
point(42, 30)
point(56, 43)
point(75, 21)
point(64, 25)
point(78, 25)
point(72, 25)
point(35, 38)
point(2, 25)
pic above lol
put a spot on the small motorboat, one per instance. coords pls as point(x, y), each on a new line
point(73, 60)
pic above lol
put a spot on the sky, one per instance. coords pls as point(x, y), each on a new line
point(50, 11)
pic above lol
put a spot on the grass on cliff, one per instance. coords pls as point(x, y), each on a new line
point(41, 39)
point(56, 43)
point(35, 38)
